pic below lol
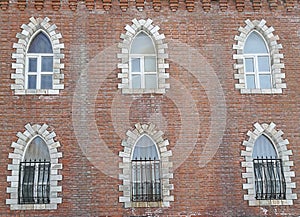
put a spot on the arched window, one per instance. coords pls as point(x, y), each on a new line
point(145, 171)
point(34, 180)
point(143, 66)
point(258, 59)
point(267, 166)
point(38, 59)
point(268, 171)
point(146, 168)
point(257, 62)
point(35, 170)
point(39, 67)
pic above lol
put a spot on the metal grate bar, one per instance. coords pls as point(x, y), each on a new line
point(146, 183)
point(34, 182)
point(269, 179)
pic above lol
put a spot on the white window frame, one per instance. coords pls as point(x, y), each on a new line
point(284, 154)
point(125, 65)
point(39, 72)
point(277, 76)
point(20, 76)
point(256, 71)
point(142, 72)
point(166, 166)
point(20, 146)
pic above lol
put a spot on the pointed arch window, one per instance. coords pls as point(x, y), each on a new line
point(258, 59)
point(34, 180)
point(39, 67)
point(145, 171)
point(142, 59)
point(257, 62)
point(268, 171)
point(143, 63)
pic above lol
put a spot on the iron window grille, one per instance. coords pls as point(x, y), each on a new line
point(146, 182)
point(34, 182)
point(269, 179)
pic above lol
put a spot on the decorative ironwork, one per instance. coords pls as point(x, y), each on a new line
point(269, 179)
point(34, 182)
point(146, 183)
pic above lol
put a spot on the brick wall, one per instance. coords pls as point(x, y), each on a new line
point(207, 180)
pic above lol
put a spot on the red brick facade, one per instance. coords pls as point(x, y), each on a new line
point(203, 115)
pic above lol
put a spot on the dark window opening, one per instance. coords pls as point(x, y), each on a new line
point(34, 182)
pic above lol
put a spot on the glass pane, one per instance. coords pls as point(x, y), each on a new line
point(142, 44)
point(265, 81)
point(40, 44)
point(249, 63)
point(150, 64)
point(135, 64)
point(136, 81)
point(150, 81)
point(263, 64)
point(263, 148)
point(255, 44)
point(145, 148)
point(31, 81)
point(47, 64)
point(37, 149)
point(46, 82)
point(250, 81)
point(32, 65)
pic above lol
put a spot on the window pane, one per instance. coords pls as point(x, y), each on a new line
point(135, 64)
point(40, 44)
point(47, 64)
point(32, 65)
point(31, 81)
point(250, 81)
point(150, 64)
point(263, 148)
point(142, 44)
point(136, 81)
point(265, 81)
point(263, 64)
point(46, 82)
point(255, 44)
point(249, 63)
point(150, 81)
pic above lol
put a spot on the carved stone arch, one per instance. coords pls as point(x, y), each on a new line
point(125, 165)
point(283, 153)
point(275, 57)
point(24, 139)
point(158, 39)
point(24, 38)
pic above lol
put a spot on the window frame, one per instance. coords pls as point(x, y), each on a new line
point(19, 150)
point(146, 27)
point(276, 65)
point(280, 145)
point(166, 166)
point(39, 72)
point(256, 71)
point(20, 76)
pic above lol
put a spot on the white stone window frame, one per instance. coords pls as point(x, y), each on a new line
point(20, 146)
point(124, 56)
point(24, 38)
point(280, 145)
point(166, 166)
point(277, 75)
